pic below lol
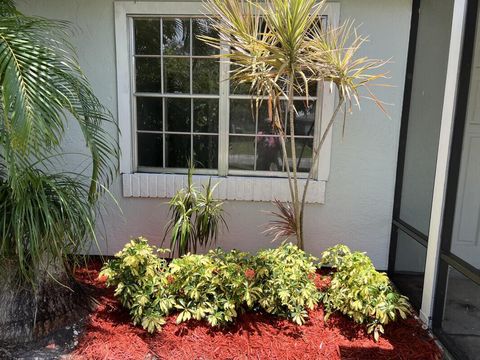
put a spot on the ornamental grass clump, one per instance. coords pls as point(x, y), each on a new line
point(215, 287)
point(360, 292)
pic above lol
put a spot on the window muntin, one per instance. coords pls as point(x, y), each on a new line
point(177, 110)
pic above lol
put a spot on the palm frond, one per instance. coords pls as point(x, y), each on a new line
point(348, 72)
point(42, 84)
point(46, 215)
point(7, 7)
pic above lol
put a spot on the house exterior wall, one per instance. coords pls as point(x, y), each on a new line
point(359, 193)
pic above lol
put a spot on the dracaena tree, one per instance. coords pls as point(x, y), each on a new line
point(279, 48)
point(45, 215)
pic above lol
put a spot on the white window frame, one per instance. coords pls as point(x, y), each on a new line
point(254, 186)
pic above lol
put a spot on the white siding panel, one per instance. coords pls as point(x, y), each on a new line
point(229, 188)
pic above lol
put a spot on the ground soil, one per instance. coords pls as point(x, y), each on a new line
point(108, 334)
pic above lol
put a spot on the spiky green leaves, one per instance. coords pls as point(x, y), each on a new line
point(46, 216)
point(50, 218)
point(272, 43)
point(42, 86)
point(196, 217)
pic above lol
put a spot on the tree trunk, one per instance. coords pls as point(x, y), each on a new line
point(28, 313)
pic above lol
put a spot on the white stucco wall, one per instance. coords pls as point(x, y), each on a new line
point(359, 194)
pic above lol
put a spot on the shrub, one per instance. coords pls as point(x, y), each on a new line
point(360, 292)
point(214, 287)
point(140, 280)
point(287, 275)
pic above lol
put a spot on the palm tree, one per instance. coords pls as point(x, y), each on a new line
point(279, 48)
point(44, 215)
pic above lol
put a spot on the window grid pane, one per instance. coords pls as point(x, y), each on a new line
point(170, 64)
point(174, 123)
point(249, 120)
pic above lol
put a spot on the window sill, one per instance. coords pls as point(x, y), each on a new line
point(241, 188)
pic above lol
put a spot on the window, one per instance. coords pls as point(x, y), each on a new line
point(175, 104)
point(176, 94)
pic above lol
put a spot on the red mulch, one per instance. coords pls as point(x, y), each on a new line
point(110, 335)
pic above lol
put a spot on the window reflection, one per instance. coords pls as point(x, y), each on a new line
point(150, 149)
point(177, 103)
point(149, 113)
point(178, 151)
point(147, 36)
point(205, 74)
point(241, 154)
point(202, 26)
point(205, 115)
point(269, 148)
point(148, 75)
point(166, 80)
point(176, 36)
point(176, 75)
point(205, 150)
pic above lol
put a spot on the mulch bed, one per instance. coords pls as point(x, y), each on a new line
point(108, 334)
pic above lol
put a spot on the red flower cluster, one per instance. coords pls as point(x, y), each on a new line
point(250, 274)
point(311, 276)
point(170, 279)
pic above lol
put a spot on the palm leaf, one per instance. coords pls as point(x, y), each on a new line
point(42, 86)
point(45, 216)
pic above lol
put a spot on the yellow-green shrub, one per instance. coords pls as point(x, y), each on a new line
point(215, 287)
point(287, 275)
point(140, 280)
point(360, 292)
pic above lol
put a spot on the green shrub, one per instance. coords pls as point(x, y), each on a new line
point(140, 280)
point(215, 287)
point(287, 275)
point(360, 292)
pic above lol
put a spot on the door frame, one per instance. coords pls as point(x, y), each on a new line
point(446, 258)
point(449, 153)
point(397, 223)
